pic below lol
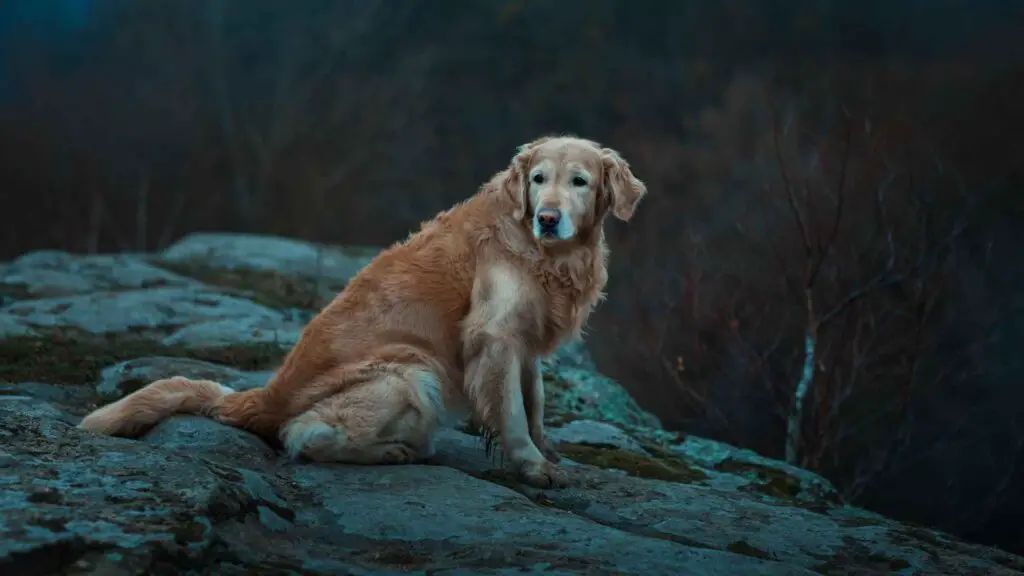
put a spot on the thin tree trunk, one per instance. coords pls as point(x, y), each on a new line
point(803, 387)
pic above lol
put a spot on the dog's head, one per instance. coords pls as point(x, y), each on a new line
point(563, 187)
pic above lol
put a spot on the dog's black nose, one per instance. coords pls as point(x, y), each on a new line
point(548, 218)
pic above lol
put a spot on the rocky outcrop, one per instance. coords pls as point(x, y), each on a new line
point(195, 497)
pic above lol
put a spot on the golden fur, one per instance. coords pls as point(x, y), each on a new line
point(449, 322)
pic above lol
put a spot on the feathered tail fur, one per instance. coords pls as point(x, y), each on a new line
point(139, 411)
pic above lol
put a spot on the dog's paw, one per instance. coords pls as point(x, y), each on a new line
point(543, 475)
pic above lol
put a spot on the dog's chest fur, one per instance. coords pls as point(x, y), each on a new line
point(572, 284)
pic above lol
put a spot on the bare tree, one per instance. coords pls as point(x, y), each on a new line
point(911, 248)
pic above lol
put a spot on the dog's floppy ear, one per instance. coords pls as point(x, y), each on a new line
point(626, 189)
point(516, 183)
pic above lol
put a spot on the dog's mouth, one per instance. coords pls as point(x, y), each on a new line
point(552, 240)
point(547, 235)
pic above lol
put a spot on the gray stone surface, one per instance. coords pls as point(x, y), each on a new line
point(232, 331)
point(195, 497)
point(595, 433)
point(133, 310)
point(11, 326)
point(50, 273)
point(268, 253)
point(72, 500)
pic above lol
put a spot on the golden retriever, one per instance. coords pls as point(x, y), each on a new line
point(448, 323)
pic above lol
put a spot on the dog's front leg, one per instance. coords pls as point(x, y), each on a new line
point(533, 396)
point(494, 378)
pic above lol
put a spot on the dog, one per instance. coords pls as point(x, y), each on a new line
point(449, 323)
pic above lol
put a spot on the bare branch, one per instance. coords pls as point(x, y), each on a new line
point(789, 191)
point(823, 250)
point(888, 278)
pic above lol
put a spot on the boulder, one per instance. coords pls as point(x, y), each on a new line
point(594, 433)
point(268, 253)
point(50, 273)
point(157, 310)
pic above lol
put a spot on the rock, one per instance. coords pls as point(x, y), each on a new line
point(126, 377)
point(594, 433)
point(227, 445)
point(136, 310)
point(75, 399)
point(11, 327)
point(572, 354)
point(49, 273)
point(440, 527)
point(104, 505)
point(195, 497)
point(36, 408)
point(573, 393)
point(73, 500)
point(246, 331)
point(721, 456)
point(822, 541)
point(268, 253)
point(674, 500)
point(574, 390)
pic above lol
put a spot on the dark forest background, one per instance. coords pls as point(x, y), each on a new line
point(826, 176)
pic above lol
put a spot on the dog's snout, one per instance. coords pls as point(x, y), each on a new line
point(548, 217)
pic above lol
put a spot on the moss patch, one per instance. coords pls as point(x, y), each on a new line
point(62, 360)
point(875, 563)
point(268, 288)
point(769, 481)
point(742, 547)
point(660, 467)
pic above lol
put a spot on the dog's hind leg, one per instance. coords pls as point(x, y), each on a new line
point(388, 420)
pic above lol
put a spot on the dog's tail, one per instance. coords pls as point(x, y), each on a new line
point(139, 411)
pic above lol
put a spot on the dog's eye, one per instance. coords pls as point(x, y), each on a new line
point(579, 182)
point(538, 178)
